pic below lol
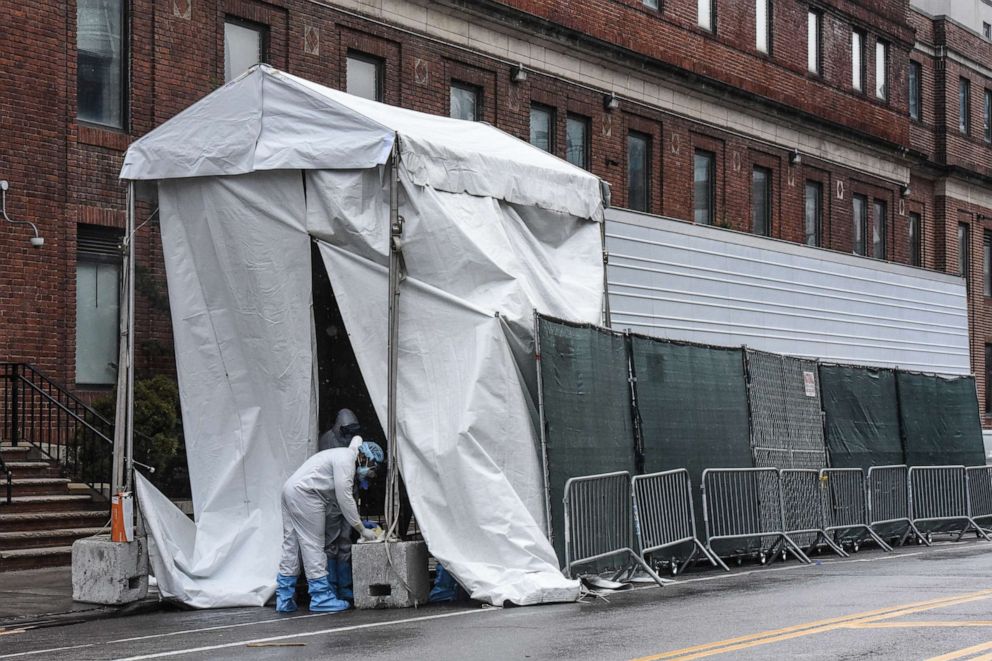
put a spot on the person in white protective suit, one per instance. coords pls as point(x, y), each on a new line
point(337, 528)
point(326, 477)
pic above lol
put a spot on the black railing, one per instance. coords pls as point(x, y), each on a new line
point(8, 479)
point(39, 412)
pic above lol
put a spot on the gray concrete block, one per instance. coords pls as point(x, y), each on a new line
point(400, 581)
point(106, 572)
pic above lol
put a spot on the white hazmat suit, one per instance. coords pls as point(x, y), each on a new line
point(325, 479)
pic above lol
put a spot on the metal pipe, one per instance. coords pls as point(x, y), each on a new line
point(130, 337)
point(395, 256)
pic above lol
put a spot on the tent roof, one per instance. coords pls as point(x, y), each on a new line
point(270, 120)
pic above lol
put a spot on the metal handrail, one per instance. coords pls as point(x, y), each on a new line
point(8, 479)
point(60, 389)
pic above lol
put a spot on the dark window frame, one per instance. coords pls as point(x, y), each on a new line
point(380, 71)
point(710, 189)
point(712, 26)
point(125, 75)
point(766, 230)
point(862, 70)
point(262, 29)
point(102, 247)
point(987, 263)
point(552, 124)
point(915, 97)
point(818, 40)
point(914, 235)
point(884, 46)
point(769, 7)
point(987, 116)
point(477, 90)
point(880, 226)
point(859, 221)
point(988, 379)
point(646, 137)
point(964, 252)
point(964, 106)
point(818, 220)
point(587, 139)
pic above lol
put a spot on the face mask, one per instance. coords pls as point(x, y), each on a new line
point(363, 472)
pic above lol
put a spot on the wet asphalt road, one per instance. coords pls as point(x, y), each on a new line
point(915, 603)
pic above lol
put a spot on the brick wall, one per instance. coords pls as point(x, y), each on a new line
point(63, 172)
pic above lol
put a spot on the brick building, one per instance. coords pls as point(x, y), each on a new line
point(836, 123)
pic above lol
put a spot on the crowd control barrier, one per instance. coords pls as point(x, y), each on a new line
point(888, 501)
point(664, 516)
point(745, 503)
point(980, 494)
point(939, 494)
point(802, 509)
point(846, 505)
point(599, 522)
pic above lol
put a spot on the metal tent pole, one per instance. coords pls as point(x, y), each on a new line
point(395, 277)
point(129, 429)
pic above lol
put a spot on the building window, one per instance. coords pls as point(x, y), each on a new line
point(704, 187)
point(244, 46)
point(762, 25)
point(860, 221)
point(986, 30)
point(542, 127)
point(858, 60)
point(364, 76)
point(879, 225)
point(881, 70)
point(101, 71)
point(813, 213)
point(651, 4)
point(577, 141)
point(813, 38)
point(987, 263)
point(987, 116)
point(705, 15)
point(638, 171)
point(988, 378)
point(98, 271)
point(465, 102)
point(761, 201)
point(915, 87)
point(964, 248)
point(964, 106)
point(915, 239)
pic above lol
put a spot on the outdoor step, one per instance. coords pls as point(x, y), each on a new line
point(29, 469)
point(34, 558)
point(38, 486)
point(53, 520)
point(26, 539)
point(19, 453)
point(48, 504)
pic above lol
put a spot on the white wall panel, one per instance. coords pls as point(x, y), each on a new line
point(681, 281)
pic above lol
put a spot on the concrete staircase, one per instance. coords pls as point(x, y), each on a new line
point(46, 514)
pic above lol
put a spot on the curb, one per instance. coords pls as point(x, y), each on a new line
point(9, 625)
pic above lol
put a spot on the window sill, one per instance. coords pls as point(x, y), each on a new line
point(103, 137)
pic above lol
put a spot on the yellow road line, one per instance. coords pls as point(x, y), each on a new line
point(809, 628)
point(960, 654)
point(920, 624)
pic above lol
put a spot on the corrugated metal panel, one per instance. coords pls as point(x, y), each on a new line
point(688, 282)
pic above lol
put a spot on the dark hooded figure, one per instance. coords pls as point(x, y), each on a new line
point(336, 437)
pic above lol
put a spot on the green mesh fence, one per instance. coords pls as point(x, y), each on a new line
point(692, 407)
point(862, 416)
point(939, 420)
point(586, 410)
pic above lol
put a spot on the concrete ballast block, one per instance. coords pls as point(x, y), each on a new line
point(106, 572)
point(397, 581)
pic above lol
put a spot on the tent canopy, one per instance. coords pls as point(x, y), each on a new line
point(494, 228)
point(270, 120)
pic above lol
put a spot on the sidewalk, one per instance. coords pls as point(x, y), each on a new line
point(43, 597)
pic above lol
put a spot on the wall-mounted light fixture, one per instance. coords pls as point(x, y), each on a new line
point(795, 158)
point(905, 190)
point(610, 101)
point(518, 74)
point(37, 240)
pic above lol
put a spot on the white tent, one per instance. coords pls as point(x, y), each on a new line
point(493, 229)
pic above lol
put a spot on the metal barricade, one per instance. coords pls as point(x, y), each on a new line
point(980, 493)
point(846, 505)
point(745, 503)
point(665, 517)
point(802, 509)
point(888, 500)
point(940, 494)
point(599, 522)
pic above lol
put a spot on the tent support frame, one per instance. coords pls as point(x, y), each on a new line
point(396, 276)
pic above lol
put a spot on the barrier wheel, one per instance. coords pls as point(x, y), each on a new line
point(785, 556)
point(674, 567)
point(930, 537)
point(740, 561)
point(762, 558)
point(855, 546)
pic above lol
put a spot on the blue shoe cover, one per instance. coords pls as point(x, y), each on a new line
point(445, 587)
point(322, 600)
point(344, 590)
point(285, 591)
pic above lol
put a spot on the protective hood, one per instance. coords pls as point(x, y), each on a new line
point(333, 438)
